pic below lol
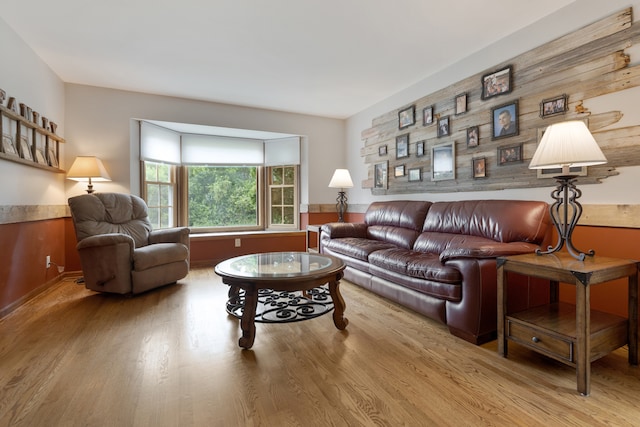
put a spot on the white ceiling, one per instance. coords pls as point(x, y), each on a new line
point(330, 58)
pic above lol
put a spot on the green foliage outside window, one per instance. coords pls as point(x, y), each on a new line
point(223, 196)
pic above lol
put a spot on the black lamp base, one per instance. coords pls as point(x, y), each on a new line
point(565, 213)
point(341, 205)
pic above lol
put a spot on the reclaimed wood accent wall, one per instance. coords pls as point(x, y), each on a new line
point(582, 65)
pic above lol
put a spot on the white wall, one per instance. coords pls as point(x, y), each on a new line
point(27, 78)
point(98, 123)
point(621, 189)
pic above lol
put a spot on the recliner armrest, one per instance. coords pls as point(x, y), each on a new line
point(170, 235)
point(110, 239)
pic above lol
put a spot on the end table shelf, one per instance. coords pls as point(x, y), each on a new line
point(572, 334)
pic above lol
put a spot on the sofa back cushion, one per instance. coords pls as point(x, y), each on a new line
point(104, 213)
point(498, 220)
point(398, 222)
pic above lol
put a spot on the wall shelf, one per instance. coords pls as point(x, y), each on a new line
point(26, 142)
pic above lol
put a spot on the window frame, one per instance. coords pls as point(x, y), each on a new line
point(296, 198)
point(173, 184)
point(184, 198)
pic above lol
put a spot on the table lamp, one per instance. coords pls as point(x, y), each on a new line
point(341, 179)
point(565, 145)
point(88, 168)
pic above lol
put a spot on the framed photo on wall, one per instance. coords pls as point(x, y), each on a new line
point(461, 103)
point(407, 117)
point(497, 83)
point(382, 150)
point(554, 106)
point(415, 174)
point(504, 120)
point(398, 171)
point(473, 136)
point(420, 148)
point(380, 175)
point(443, 163)
point(479, 168)
point(443, 126)
point(402, 146)
point(427, 116)
point(509, 154)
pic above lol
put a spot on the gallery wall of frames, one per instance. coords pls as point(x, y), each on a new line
point(480, 133)
point(27, 137)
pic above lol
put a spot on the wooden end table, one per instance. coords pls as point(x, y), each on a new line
point(281, 271)
point(574, 335)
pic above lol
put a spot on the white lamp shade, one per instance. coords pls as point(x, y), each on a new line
point(567, 144)
point(85, 167)
point(341, 179)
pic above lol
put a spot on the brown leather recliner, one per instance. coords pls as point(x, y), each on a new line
point(119, 252)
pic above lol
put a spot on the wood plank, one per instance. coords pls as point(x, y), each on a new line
point(588, 63)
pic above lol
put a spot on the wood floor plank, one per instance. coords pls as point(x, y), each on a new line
point(171, 358)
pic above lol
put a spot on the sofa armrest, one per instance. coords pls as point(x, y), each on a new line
point(170, 235)
point(334, 230)
point(488, 251)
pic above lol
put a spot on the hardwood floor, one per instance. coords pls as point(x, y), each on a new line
point(171, 358)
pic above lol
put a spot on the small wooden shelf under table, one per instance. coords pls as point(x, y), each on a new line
point(572, 334)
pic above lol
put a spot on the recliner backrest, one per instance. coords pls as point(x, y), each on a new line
point(104, 213)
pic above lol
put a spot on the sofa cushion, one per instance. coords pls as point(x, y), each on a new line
point(499, 220)
point(436, 243)
point(415, 264)
point(158, 254)
point(399, 213)
point(432, 288)
point(356, 247)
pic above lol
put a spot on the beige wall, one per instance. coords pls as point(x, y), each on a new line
point(27, 78)
point(98, 123)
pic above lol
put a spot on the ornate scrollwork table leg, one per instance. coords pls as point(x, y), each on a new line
point(339, 320)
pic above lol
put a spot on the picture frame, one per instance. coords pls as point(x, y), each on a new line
point(40, 158)
point(8, 147)
point(473, 136)
point(52, 157)
point(420, 145)
point(461, 103)
point(382, 150)
point(25, 149)
point(444, 126)
point(398, 171)
point(479, 167)
point(552, 173)
point(402, 146)
point(407, 117)
point(510, 154)
point(443, 164)
point(554, 106)
point(504, 120)
point(415, 174)
point(427, 115)
point(497, 83)
point(380, 175)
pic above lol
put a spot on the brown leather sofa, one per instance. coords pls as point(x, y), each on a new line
point(439, 258)
point(119, 252)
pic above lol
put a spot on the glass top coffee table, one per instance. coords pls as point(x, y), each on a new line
point(281, 271)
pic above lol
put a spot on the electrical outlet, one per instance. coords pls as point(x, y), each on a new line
point(48, 261)
point(237, 243)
